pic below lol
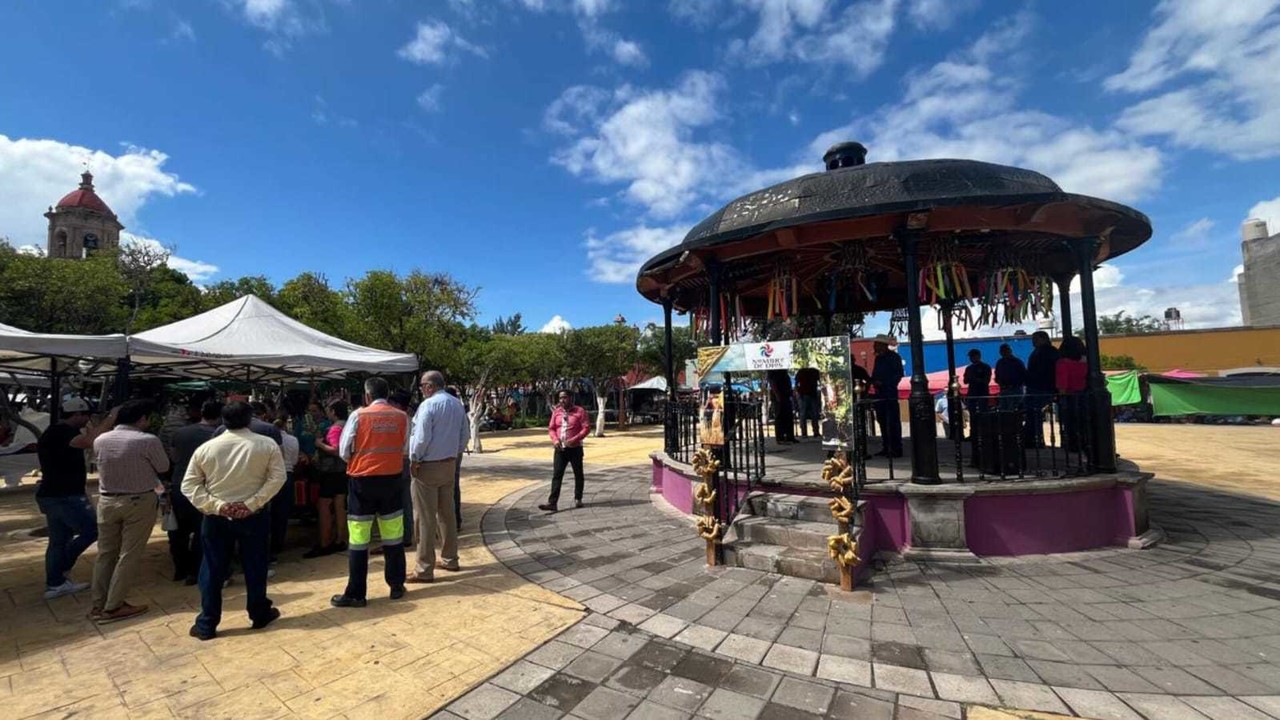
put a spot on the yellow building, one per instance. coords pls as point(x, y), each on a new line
point(1205, 351)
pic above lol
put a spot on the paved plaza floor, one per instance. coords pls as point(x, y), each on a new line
point(609, 611)
point(1190, 629)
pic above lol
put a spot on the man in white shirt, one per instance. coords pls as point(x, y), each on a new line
point(231, 479)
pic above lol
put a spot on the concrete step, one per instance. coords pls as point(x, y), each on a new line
point(793, 562)
point(809, 508)
point(782, 531)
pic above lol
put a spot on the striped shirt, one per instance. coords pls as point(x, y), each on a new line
point(129, 461)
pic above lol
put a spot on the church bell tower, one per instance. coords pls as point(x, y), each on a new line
point(81, 223)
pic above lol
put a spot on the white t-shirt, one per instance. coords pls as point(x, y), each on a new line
point(289, 448)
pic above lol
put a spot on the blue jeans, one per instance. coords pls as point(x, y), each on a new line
point(73, 527)
point(220, 536)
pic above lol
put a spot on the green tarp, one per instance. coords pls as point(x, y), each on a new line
point(1124, 388)
point(1192, 399)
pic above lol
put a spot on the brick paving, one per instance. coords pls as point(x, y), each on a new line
point(1187, 629)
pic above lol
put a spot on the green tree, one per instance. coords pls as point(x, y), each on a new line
point(138, 262)
point(601, 355)
point(1121, 323)
point(225, 291)
point(653, 349)
point(168, 296)
point(61, 295)
point(310, 300)
point(411, 313)
point(1121, 362)
point(513, 325)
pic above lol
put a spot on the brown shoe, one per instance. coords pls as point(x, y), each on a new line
point(416, 579)
point(124, 612)
point(95, 614)
point(451, 567)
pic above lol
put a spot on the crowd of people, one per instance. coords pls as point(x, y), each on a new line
point(227, 484)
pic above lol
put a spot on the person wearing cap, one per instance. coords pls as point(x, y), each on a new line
point(886, 373)
point(61, 493)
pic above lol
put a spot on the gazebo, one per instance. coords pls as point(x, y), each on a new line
point(984, 243)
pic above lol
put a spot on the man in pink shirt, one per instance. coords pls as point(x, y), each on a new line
point(569, 427)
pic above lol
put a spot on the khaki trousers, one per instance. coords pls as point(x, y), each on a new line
point(433, 512)
point(124, 526)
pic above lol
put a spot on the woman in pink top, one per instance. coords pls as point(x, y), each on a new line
point(1070, 375)
point(332, 505)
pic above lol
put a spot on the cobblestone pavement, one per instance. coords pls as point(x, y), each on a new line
point(400, 659)
point(1190, 629)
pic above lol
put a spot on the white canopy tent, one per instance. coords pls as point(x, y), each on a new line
point(249, 340)
point(22, 350)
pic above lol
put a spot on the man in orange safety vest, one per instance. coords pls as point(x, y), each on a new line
point(372, 443)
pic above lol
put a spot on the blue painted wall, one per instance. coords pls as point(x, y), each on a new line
point(935, 352)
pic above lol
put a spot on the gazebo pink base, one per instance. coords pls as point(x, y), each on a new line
point(973, 520)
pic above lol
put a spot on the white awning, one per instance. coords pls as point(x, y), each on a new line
point(248, 339)
point(24, 350)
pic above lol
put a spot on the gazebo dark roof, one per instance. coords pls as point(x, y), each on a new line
point(978, 208)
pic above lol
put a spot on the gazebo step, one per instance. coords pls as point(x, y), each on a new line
point(809, 508)
point(811, 564)
point(800, 534)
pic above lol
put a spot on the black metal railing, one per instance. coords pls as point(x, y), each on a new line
point(869, 414)
point(742, 463)
point(680, 430)
point(1033, 435)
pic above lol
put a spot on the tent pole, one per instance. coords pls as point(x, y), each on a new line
point(55, 392)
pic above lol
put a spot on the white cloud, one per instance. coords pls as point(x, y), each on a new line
point(34, 174)
point(1268, 210)
point(937, 14)
point(615, 258)
point(1194, 234)
point(1211, 69)
point(429, 99)
point(284, 21)
point(628, 52)
point(182, 32)
point(322, 114)
point(814, 31)
point(645, 139)
point(197, 270)
point(435, 43)
point(556, 325)
point(967, 106)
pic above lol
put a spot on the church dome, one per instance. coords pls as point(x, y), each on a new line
point(85, 198)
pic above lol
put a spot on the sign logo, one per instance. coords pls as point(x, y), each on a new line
point(766, 350)
point(768, 355)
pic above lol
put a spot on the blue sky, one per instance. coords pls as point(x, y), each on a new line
point(541, 149)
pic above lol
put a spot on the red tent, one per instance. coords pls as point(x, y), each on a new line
point(938, 382)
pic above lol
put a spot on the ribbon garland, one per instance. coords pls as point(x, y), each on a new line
point(1009, 293)
point(944, 277)
point(784, 295)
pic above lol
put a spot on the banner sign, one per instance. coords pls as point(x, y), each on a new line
point(828, 355)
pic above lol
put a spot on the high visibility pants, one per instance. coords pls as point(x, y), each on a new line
point(370, 498)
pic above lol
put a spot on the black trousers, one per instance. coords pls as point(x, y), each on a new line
point(377, 498)
point(566, 456)
point(890, 417)
point(184, 543)
point(221, 536)
point(281, 509)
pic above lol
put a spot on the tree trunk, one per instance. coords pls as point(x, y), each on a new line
point(600, 401)
point(477, 412)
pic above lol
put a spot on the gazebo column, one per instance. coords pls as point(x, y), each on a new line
point(924, 432)
point(955, 411)
point(670, 418)
point(1101, 429)
point(1064, 299)
point(716, 322)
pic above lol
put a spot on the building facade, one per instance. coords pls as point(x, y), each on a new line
point(1259, 283)
point(81, 223)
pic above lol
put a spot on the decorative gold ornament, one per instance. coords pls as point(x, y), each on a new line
point(838, 473)
point(705, 494)
point(843, 550)
point(841, 508)
point(708, 527)
point(705, 463)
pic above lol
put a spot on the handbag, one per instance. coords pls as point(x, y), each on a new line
point(168, 521)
